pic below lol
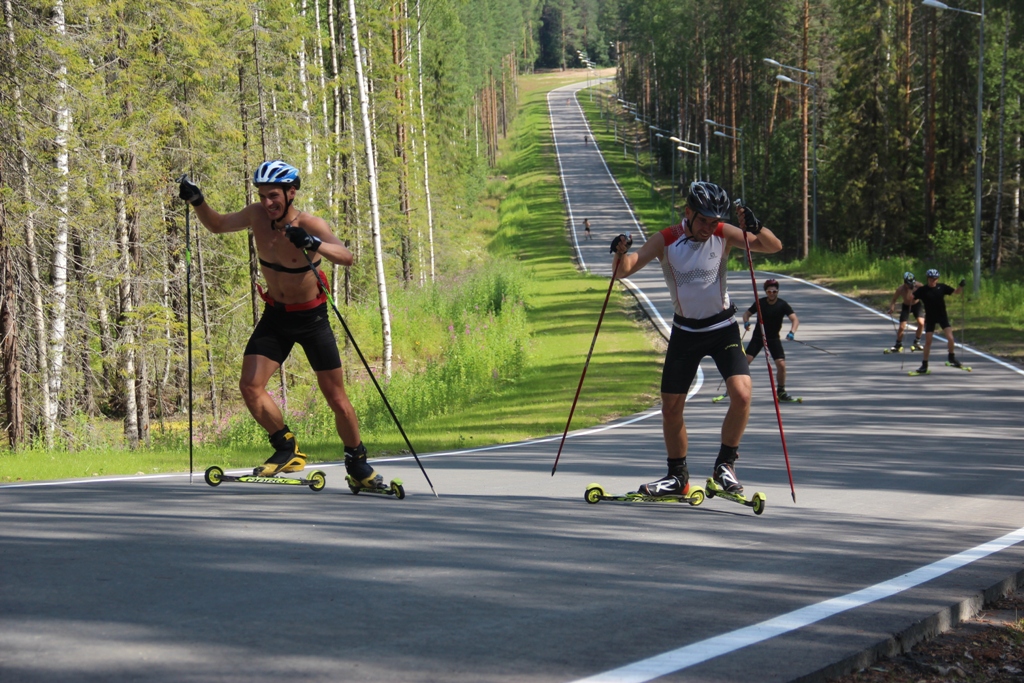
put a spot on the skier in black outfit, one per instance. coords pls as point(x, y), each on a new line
point(905, 293)
point(933, 296)
point(774, 311)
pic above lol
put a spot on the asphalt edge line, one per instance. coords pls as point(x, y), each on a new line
point(919, 632)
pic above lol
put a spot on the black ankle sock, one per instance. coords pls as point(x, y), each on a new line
point(278, 437)
point(358, 450)
point(952, 357)
point(677, 467)
point(924, 364)
point(727, 454)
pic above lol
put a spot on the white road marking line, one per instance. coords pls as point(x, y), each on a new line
point(697, 653)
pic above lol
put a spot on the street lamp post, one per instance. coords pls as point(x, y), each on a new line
point(739, 138)
point(813, 87)
point(687, 150)
point(814, 151)
point(978, 140)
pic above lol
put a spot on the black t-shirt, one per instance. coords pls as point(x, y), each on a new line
point(773, 314)
point(934, 299)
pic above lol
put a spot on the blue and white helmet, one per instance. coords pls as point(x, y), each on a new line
point(276, 173)
point(908, 277)
point(932, 272)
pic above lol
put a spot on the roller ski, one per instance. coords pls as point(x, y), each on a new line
point(724, 484)
point(692, 494)
point(286, 459)
point(923, 370)
point(898, 348)
point(362, 478)
point(315, 480)
point(719, 399)
point(786, 398)
point(957, 364)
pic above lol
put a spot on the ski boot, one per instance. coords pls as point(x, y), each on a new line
point(923, 370)
point(675, 483)
point(725, 477)
point(896, 348)
point(918, 346)
point(286, 457)
point(360, 472)
point(954, 362)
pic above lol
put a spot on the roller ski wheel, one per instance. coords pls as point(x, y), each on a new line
point(965, 368)
point(719, 399)
point(395, 488)
point(791, 399)
point(893, 349)
point(316, 480)
point(756, 502)
point(595, 493)
point(915, 373)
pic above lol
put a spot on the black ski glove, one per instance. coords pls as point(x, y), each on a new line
point(302, 239)
point(189, 191)
point(628, 239)
point(963, 281)
point(749, 220)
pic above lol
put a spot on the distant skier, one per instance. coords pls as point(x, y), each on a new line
point(773, 310)
point(693, 257)
point(585, 140)
point(586, 229)
point(933, 296)
point(905, 292)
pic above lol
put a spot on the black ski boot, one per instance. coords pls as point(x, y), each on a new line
point(954, 362)
point(897, 348)
point(360, 470)
point(675, 483)
point(923, 370)
point(286, 457)
point(918, 346)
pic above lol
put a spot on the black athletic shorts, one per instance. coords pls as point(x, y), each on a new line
point(687, 349)
point(278, 331)
point(774, 345)
point(917, 309)
point(931, 324)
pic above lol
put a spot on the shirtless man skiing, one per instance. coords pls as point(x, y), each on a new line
point(693, 256)
point(905, 292)
point(295, 312)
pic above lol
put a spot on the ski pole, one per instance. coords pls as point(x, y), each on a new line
point(767, 354)
point(590, 353)
point(387, 404)
point(188, 328)
point(814, 347)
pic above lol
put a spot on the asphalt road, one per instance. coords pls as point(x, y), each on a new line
point(510, 575)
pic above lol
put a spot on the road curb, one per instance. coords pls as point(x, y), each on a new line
point(923, 630)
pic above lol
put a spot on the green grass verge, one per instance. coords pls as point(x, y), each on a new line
point(994, 319)
point(526, 221)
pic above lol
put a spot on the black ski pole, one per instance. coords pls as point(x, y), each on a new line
point(188, 328)
point(767, 355)
point(590, 353)
point(387, 404)
point(814, 347)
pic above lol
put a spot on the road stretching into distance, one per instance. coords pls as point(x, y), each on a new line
point(908, 501)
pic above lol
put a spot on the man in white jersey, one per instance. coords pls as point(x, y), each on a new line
point(693, 256)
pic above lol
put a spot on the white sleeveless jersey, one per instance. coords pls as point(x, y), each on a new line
point(695, 274)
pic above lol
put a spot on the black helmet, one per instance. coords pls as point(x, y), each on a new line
point(708, 199)
point(771, 282)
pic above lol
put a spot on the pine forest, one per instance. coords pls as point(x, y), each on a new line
point(847, 124)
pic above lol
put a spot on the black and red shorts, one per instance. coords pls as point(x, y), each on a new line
point(687, 349)
point(278, 331)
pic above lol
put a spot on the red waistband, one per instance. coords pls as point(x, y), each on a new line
point(305, 305)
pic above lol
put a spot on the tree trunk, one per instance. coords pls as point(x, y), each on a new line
point(60, 238)
point(254, 272)
point(32, 254)
point(371, 171)
point(14, 421)
point(804, 175)
point(997, 255)
point(423, 132)
point(126, 328)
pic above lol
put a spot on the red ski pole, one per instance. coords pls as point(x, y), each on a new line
point(590, 353)
point(767, 359)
